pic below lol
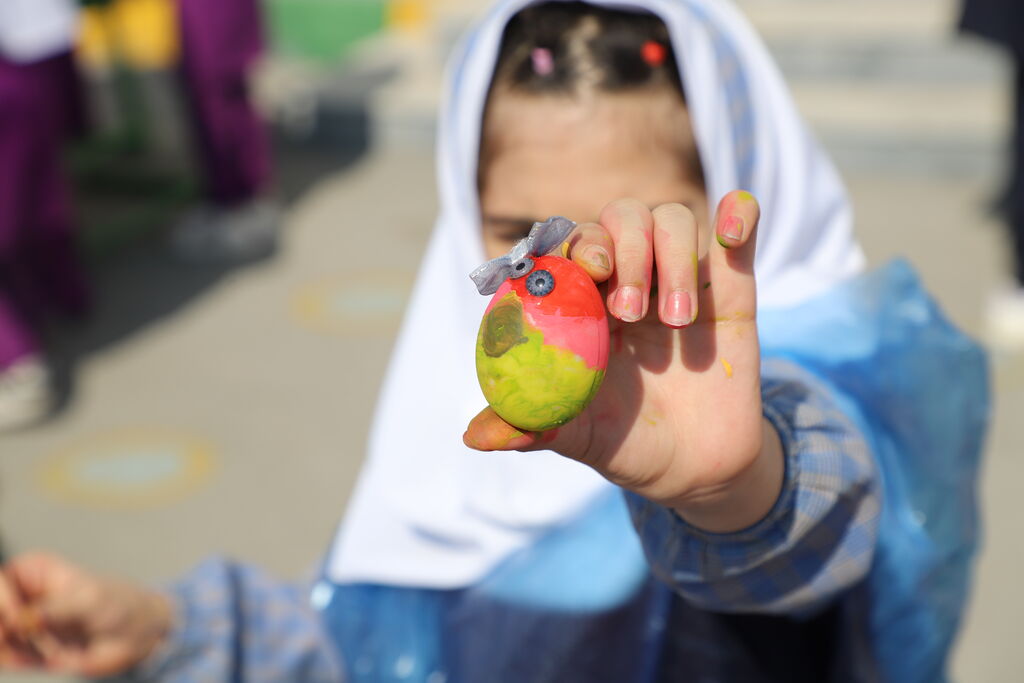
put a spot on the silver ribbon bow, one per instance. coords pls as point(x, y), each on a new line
point(542, 239)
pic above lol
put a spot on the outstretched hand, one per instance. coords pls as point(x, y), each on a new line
point(56, 617)
point(678, 418)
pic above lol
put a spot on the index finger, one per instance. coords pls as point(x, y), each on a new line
point(591, 247)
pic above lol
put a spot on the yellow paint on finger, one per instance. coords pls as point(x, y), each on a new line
point(728, 368)
point(735, 318)
point(565, 249)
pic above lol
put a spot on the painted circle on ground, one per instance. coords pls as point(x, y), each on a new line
point(129, 469)
point(353, 304)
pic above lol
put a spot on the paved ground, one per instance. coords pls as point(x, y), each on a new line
point(226, 411)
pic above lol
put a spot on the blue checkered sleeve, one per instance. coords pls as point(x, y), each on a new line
point(817, 540)
point(235, 623)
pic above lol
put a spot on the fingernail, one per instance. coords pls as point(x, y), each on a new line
point(629, 301)
point(731, 228)
point(678, 309)
point(597, 257)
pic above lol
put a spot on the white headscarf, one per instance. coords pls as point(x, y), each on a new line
point(429, 512)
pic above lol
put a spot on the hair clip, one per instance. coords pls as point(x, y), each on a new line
point(543, 61)
point(654, 53)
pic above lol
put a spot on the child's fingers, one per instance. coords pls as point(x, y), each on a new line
point(10, 609)
point(630, 224)
point(16, 651)
point(592, 248)
point(736, 219)
point(34, 574)
point(488, 432)
point(732, 259)
point(61, 592)
point(81, 601)
point(675, 252)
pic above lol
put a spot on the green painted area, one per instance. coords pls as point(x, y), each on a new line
point(532, 385)
point(322, 30)
point(502, 327)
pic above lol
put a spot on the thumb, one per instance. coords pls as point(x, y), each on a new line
point(488, 432)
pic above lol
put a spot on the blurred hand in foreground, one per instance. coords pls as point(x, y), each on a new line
point(57, 617)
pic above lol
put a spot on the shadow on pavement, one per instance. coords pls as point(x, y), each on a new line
point(137, 282)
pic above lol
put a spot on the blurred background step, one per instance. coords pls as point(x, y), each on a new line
point(890, 85)
point(887, 85)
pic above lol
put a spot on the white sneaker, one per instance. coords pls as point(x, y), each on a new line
point(211, 234)
point(1004, 319)
point(26, 393)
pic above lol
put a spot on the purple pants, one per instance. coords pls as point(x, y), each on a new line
point(221, 39)
point(39, 269)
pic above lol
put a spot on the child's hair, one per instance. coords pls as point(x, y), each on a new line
point(574, 48)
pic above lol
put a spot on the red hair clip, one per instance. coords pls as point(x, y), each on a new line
point(654, 53)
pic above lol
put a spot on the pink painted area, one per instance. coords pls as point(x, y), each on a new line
point(571, 317)
point(587, 337)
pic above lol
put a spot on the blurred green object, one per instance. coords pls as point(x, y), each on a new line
point(127, 189)
point(322, 30)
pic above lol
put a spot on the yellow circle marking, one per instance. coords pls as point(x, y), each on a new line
point(353, 304)
point(129, 469)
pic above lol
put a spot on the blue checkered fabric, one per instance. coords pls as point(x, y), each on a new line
point(818, 539)
point(236, 623)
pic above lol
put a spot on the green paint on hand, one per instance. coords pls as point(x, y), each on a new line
point(707, 284)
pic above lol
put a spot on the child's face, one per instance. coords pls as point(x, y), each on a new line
point(545, 156)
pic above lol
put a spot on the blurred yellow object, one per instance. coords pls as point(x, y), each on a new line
point(95, 51)
point(407, 15)
point(142, 34)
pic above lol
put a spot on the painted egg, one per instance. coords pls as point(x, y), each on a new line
point(542, 349)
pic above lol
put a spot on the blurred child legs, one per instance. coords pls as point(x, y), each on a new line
point(39, 270)
point(1006, 310)
point(221, 42)
point(1002, 23)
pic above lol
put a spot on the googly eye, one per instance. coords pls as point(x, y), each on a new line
point(522, 267)
point(540, 283)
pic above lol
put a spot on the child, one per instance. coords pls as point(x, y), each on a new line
point(805, 519)
point(221, 42)
point(39, 268)
point(1002, 22)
